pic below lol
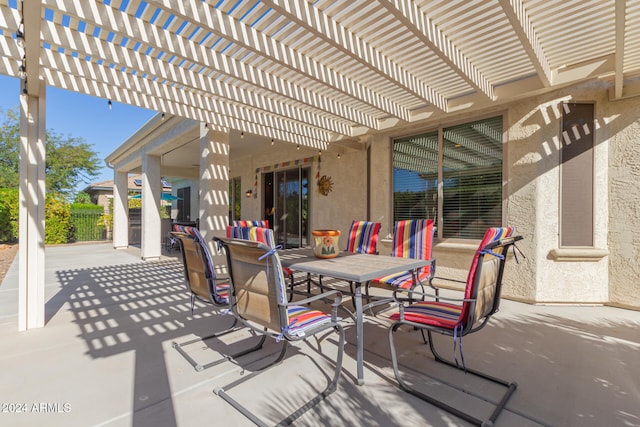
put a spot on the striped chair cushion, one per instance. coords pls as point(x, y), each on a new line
point(221, 291)
point(255, 223)
point(450, 315)
point(411, 239)
point(256, 234)
point(191, 231)
point(363, 237)
point(434, 313)
point(493, 234)
point(302, 318)
point(402, 280)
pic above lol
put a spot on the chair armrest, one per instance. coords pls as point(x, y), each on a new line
point(317, 297)
point(422, 295)
point(444, 279)
point(334, 306)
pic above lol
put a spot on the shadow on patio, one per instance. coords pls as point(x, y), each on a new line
point(106, 353)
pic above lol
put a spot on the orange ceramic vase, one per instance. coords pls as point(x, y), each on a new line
point(326, 243)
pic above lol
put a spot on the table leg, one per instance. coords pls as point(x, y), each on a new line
point(359, 334)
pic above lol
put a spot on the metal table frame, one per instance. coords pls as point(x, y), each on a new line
point(352, 267)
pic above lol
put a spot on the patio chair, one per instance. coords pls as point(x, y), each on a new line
point(459, 317)
point(363, 237)
point(203, 285)
point(265, 235)
point(411, 239)
point(251, 223)
point(258, 300)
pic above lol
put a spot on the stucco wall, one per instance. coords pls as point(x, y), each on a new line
point(347, 201)
point(623, 122)
point(532, 176)
point(534, 145)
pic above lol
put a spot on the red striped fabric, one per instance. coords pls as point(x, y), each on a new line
point(363, 237)
point(302, 318)
point(256, 234)
point(432, 313)
point(411, 239)
point(450, 315)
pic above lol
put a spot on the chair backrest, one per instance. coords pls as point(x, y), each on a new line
point(258, 284)
point(188, 229)
point(257, 234)
point(413, 239)
point(484, 280)
point(255, 223)
point(199, 270)
point(363, 237)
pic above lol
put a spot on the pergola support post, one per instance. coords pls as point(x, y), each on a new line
point(214, 185)
point(151, 224)
point(32, 192)
point(120, 209)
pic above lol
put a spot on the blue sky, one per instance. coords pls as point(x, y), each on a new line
point(87, 117)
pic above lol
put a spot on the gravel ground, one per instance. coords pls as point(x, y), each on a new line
point(7, 254)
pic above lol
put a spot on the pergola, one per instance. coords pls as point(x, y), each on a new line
point(310, 73)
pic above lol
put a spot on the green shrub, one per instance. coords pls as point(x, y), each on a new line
point(58, 225)
point(8, 214)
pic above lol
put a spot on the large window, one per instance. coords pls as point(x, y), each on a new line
point(464, 162)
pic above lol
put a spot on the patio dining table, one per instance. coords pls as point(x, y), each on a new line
point(352, 267)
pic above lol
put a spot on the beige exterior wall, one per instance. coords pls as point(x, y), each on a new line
point(623, 124)
point(347, 201)
point(607, 273)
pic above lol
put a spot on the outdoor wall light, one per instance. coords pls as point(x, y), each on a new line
point(248, 193)
point(241, 135)
point(22, 72)
point(110, 104)
point(20, 37)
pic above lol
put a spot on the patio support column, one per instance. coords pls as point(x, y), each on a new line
point(120, 209)
point(31, 210)
point(151, 188)
point(214, 185)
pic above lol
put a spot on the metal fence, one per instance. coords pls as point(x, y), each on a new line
point(88, 225)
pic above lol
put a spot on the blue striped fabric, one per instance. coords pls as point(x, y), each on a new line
point(363, 237)
point(411, 239)
point(302, 318)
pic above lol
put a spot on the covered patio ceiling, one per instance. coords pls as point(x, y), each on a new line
point(317, 72)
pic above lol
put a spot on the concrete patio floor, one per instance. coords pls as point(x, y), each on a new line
point(104, 358)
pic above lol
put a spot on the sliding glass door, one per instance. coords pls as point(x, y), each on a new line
point(286, 205)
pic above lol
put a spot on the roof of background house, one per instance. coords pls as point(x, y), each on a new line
point(135, 184)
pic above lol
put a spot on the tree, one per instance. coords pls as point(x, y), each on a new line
point(69, 160)
point(82, 197)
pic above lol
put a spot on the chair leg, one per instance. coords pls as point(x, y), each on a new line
point(511, 386)
point(289, 419)
point(200, 367)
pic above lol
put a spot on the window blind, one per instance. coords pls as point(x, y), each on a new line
point(471, 178)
